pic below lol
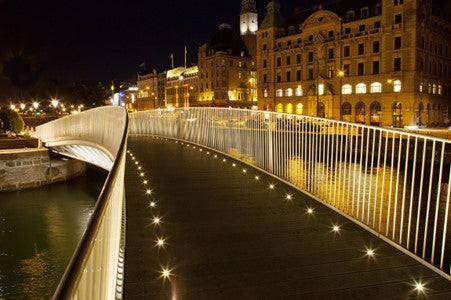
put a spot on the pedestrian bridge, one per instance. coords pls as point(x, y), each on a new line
point(225, 203)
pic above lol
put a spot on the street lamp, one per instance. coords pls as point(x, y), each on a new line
point(55, 103)
point(341, 74)
point(12, 106)
point(35, 105)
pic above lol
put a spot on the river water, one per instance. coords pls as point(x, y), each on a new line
point(39, 231)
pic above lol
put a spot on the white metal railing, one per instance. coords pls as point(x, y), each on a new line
point(97, 263)
point(394, 183)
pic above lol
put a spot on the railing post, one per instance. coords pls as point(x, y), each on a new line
point(270, 146)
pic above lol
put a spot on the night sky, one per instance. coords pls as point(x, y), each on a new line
point(92, 41)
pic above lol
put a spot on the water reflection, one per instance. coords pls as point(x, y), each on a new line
point(39, 230)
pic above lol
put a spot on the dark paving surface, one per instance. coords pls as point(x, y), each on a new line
point(230, 237)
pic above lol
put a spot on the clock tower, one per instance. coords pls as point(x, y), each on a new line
point(249, 25)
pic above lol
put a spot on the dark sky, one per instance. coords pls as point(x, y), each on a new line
point(91, 41)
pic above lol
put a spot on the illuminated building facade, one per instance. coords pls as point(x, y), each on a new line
point(385, 63)
point(182, 87)
point(226, 72)
point(147, 95)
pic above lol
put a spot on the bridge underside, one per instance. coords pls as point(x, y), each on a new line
point(87, 154)
point(228, 236)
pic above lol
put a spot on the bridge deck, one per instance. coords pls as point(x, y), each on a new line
point(230, 237)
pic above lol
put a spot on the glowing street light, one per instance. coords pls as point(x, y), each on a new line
point(12, 106)
point(22, 106)
point(55, 103)
point(35, 105)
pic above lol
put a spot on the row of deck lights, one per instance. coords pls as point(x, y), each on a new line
point(160, 242)
point(369, 252)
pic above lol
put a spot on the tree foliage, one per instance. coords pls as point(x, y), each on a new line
point(11, 121)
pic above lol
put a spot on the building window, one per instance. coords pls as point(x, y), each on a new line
point(320, 89)
point(375, 113)
point(360, 112)
point(330, 34)
point(289, 92)
point(279, 78)
point(361, 49)
point(398, 19)
point(378, 9)
point(265, 47)
point(265, 93)
point(421, 88)
point(397, 86)
point(289, 108)
point(298, 75)
point(440, 89)
point(376, 47)
point(362, 27)
point(288, 76)
point(346, 89)
point(360, 88)
point(310, 74)
point(265, 78)
point(279, 61)
point(299, 108)
point(377, 25)
point(330, 71)
point(346, 51)
point(265, 64)
point(310, 38)
point(397, 42)
point(375, 67)
point(299, 91)
point(279, 108)
point(330, 53)
point(397, 64)
point(360, 69)
point(364, 12)
point(288, 59)
point(376, 87)
point(347, 69)
point(298, 58)
point(429, 88)
point(279, 93)
point(347, 30)
point(350, 16)
point(434, 89)
point(346, 111)
point(310, 56)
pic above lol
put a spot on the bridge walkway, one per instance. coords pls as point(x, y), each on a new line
point(228, 236)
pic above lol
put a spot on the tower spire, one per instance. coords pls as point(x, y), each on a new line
point(249, 24)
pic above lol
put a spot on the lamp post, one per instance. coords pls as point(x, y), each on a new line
point(341, 74)
point(55, 103)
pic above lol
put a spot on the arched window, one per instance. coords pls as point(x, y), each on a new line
point(429, 88)
point(346, 112)
point(397, 86)
point(289, 108)
point(289, 92)
point(375, 113)
point(346, 89)
point(279, 93)
point(360, 88)
point(434, 89)
point(265, 93)
point(376, 87)
point(440, 89)
point(279, 108)
point(299, 108)
point(320, 89)
point(299, 91)
point(421, 87)
point(360, 112)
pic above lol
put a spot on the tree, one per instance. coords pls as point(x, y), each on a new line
point(11, 121)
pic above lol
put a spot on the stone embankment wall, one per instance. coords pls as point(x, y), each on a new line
point(28, 168)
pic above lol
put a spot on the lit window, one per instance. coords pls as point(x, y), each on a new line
point(265, 93)
point(320, 89)
point(289, 108)
point(429, 88)
point(289, 92)
point(279, 93)
point(360, 88)
point(397, 86)
point(299, 91)
point(439, 89)
point(279, 108)
point(421, 87)
point(376, 87)
point(346, 89)
point(434, 89)
point(299, 109)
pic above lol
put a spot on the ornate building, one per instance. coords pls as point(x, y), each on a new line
point(384, 63)
point(226, 71)
point(147, 95)
point(249, 25)
point(181, 87)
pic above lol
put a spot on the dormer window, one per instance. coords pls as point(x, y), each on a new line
point(291, 30)
point(350, 16)
point(378, 9)
point(364, 12)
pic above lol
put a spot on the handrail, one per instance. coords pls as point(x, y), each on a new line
point(109, 209)
point(396, 184)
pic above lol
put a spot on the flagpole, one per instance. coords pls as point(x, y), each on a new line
point(185, 56)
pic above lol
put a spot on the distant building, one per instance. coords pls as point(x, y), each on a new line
point(385, 63)
point(226, 71)
point(147, 97)
point(182, 87)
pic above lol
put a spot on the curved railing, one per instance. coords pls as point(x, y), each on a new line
point(393, 183)
point(96, 268)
